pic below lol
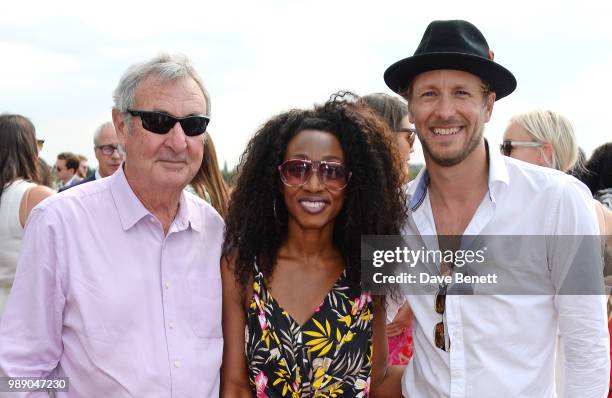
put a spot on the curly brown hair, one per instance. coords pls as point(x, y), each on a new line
point(375, 204)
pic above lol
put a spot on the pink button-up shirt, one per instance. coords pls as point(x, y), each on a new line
point(102, 297)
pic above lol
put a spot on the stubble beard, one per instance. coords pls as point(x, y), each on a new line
point(466, 151)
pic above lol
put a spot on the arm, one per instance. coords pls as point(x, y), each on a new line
point(30, 199)
point(31, 327)
point(582, 315)
point(386, 380)
point(234, 373)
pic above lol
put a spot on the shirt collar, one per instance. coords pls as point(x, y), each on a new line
point(97, 175)
point(188, 214)
point(131, 210)
point(498, 173)
point(72, 180)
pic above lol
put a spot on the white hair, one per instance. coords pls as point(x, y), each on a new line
point(166, 67)
point(99, 129)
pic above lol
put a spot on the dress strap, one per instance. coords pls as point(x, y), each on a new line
point(258, 278)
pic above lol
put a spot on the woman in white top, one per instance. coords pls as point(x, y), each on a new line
point(20, 192)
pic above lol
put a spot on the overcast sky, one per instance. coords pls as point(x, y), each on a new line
point(61, 60)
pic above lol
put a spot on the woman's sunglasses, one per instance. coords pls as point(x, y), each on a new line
point(507, 145)
point(161, 123)
point(296, 172)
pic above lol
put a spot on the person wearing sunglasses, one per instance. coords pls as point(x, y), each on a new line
point(20, 192)
point(66, 169)
point(108, 153)
point(119, 286)
point(291, 273)
point(492, 339)
point(546, 138)
point(394, 112)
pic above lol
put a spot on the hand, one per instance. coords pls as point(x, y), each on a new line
point(395, 329)
point(400, 322)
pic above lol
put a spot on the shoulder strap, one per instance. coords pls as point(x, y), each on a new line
point(259, 278)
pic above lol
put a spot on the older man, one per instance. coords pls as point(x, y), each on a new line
point(108, 153)
point(118, 285)
point(106, 148)
point(494, 344)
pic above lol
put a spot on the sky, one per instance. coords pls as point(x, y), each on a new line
point(61, 60)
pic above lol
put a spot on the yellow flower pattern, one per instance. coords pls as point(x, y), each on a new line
point(327, 357)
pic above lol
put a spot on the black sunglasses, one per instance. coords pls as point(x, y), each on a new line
point(161, 123)
point(440, 307)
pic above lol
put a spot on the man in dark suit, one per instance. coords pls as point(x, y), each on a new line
point(108, 153)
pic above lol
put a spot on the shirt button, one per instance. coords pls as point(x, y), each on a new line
point(171, 325)
point(167, 285)
point(151, 219)
point(177, 364)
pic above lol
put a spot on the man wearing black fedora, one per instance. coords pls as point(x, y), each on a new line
point(491, 344)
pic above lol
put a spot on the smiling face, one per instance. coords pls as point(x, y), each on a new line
point(162, 162)
point(449, 111)
point(313, 205)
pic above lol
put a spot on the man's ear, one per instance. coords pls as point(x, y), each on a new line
point(121, 126)
point(410, 116)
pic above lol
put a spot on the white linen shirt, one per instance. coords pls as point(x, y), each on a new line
point(504, 345)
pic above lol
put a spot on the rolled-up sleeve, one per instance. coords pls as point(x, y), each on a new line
point(31, 327)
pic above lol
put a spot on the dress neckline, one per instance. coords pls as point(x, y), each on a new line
point(316, 309)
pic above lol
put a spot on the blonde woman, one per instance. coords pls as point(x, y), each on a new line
point(546, 138)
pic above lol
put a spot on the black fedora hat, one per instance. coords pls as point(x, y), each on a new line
point(452, 45)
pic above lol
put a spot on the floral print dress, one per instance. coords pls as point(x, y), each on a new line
point(328, 356)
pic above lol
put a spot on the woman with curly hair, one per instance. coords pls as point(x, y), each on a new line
point(310, 183)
